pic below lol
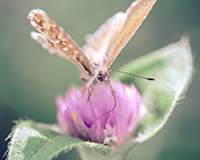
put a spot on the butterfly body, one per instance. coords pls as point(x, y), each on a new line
point(98, 55)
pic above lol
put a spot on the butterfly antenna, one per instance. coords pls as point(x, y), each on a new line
point(150, 79)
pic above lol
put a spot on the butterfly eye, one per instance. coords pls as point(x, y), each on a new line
point(100, 77)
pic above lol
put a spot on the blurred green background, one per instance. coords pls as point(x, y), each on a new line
point(31, 78)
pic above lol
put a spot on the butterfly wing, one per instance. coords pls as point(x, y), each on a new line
point(136, 14)
point(57, 40)
point(99, 44)
point(47, 44)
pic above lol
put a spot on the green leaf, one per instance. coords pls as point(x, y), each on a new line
point(33, 141)
point(172, 69)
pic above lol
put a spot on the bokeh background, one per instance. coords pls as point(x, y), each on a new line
point(31, 78)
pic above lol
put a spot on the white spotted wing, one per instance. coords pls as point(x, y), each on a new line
point(56, 40)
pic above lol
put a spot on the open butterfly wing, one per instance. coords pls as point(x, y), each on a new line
point(99, 44)
point(49, 45)
point(136, 14)
point(40, 38)
point(58, 40)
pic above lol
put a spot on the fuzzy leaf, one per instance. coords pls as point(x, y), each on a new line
point(172, 69)
point(33, 141)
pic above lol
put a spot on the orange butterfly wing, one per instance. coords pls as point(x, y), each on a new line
point(136, 14)
point(58, 40)
point(99, 44)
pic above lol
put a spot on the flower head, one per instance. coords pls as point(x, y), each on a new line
point(94, 119)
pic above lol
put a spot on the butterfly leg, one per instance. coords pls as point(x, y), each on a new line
point(83, 80)
point(90, 90)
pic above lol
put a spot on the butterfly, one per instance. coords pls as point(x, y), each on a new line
point(98, 55)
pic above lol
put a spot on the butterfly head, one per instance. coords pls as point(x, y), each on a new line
point(103, 77)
